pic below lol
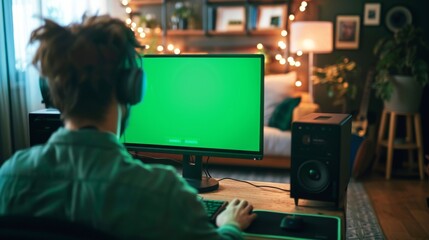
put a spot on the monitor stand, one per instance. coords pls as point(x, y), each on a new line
point(192, 172)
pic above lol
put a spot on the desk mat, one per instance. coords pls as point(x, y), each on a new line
point(267, 225)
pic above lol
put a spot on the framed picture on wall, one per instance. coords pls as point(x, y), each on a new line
point(372, 14)
point(230, 19)
point(347, 32)
point(271, 17)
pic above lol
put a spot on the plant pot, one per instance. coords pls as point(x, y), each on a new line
point(406, 95)
point(183, 23)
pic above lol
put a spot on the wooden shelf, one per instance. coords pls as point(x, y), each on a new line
point(189, 32)
point(262, 32)
point(226, 1)
point(227, 33)
point(145, 2)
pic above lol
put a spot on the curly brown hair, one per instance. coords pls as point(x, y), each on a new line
point(83, 63)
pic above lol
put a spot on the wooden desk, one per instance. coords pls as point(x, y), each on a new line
point(273, 199)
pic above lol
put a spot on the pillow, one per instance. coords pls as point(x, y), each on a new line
point(282, 115)
point(276, 88)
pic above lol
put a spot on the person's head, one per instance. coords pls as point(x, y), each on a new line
point(85, 64)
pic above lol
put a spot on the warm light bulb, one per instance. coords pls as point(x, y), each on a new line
point(133, 25)
point(128, 21)
point(298, 83)
point(128, 10)
point(281, 44)
point(125, 2)
point(142, 35)
point(176, 51)
point(284, 33)
point(299, 53)
point(278, 56)
point(170, 47)
point(297, 64)
point(259, 46)
point(302, 8)
point(160, 48)
point(290, 59)
point(304, 4)
point(291, 17)
point(292, 63)
point(140, 29)
point(282, 61)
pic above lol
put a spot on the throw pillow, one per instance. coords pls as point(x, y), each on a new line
point(282, 115)
point(277, 87)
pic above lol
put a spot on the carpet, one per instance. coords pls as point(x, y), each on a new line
point(362, 222)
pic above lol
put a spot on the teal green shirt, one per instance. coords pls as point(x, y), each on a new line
point(88, 176)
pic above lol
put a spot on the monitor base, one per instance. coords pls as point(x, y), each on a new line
point(204, 185)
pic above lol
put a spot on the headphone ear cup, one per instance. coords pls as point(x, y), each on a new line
point(130, 86)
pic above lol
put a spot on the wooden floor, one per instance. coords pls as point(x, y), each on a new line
point(400, 204)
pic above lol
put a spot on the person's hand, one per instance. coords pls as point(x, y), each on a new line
point(237, 212)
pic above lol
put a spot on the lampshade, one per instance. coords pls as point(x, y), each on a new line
point(311, 36)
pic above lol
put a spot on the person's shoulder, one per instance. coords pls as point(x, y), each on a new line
point(22, 158)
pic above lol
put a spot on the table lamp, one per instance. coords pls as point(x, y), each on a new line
point(311, 37)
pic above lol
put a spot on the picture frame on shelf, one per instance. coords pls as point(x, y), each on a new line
point(372, 14)
point(230, 19)
point(347, 32)
point(271, 16)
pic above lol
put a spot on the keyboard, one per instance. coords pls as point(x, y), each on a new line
point(214, 207)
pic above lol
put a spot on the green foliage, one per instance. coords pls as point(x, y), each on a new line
point(338, 79)
point(403, 53)
point(183, 10)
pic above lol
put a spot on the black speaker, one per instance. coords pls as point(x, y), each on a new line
point(42, 124)
point(320, 167)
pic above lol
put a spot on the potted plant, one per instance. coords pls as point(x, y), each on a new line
point(183, 12)
point(338, 80)
point(401, 66)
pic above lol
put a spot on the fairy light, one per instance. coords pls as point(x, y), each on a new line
point(297, 64)
point(283, 33)
point(299, 53)
point(304, 4)
point(128, 10)
point(170, 47)
point(176, 51)
point(160, 48)
point(278, 56)
point(298, 83)
point(292, 17)
point(128, 21)
point(125, 2)
point(302, 8)
point(281, 44)
point(282, 61)
point(260, 46)
point(142, 35)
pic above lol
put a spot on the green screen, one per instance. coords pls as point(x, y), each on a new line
point(203, 103)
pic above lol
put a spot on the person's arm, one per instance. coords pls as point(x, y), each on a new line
point(189, 219)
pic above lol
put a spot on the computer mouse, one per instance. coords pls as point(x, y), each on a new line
point(292, 222)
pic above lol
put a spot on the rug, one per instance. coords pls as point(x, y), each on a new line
point(361, 220)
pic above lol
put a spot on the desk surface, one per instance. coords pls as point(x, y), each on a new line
point(264, 198)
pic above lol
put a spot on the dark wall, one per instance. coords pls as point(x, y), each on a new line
point(369, 35)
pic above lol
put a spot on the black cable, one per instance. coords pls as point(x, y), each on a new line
point(258, 186)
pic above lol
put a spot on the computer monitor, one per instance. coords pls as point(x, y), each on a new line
point(200, 105)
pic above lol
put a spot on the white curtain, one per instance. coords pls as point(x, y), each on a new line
point(19, 82)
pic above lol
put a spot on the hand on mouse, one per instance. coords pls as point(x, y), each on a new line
point(237, 212)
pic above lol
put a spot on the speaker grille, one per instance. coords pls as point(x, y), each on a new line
point(313, 176)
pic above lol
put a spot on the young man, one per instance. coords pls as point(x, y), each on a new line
point(83, 173)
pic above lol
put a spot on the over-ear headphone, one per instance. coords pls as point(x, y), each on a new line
point(130, 84)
